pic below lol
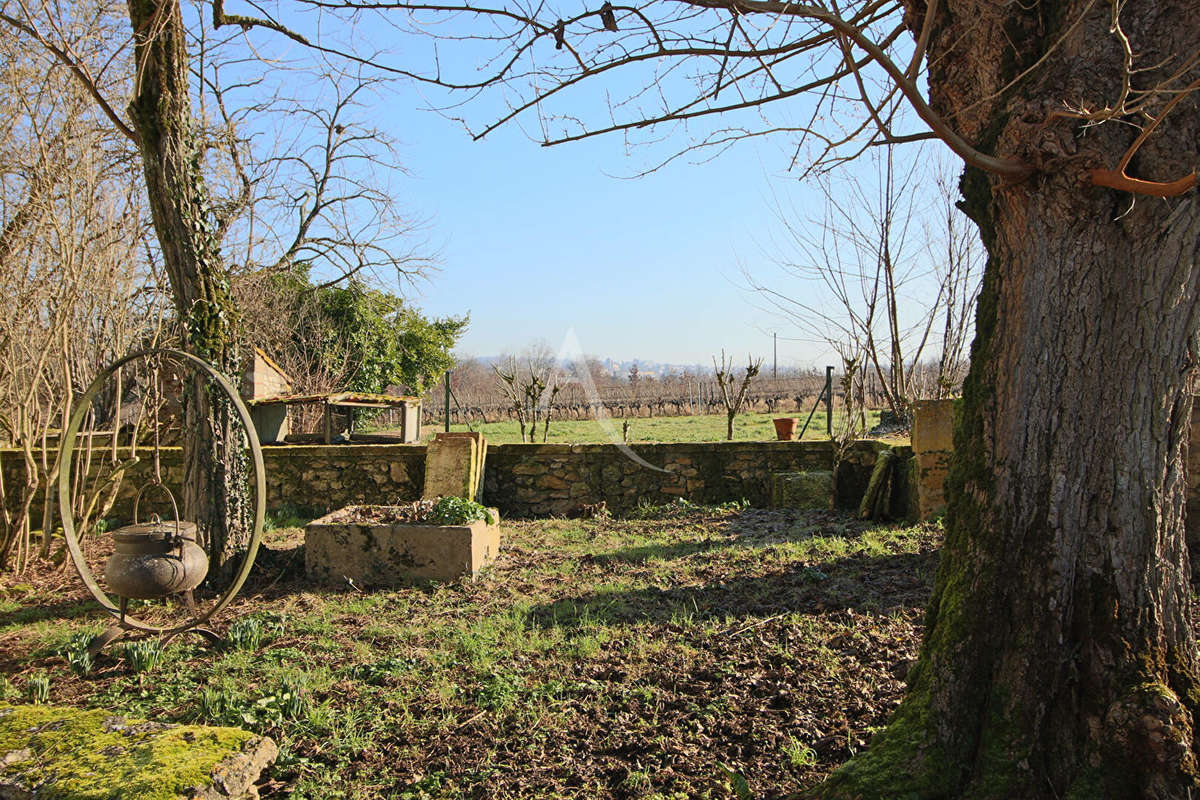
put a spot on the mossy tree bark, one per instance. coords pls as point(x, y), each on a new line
point(215, 491)
point(1059, 659)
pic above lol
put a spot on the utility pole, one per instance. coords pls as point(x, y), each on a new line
point(775, 364)
point(447, 401)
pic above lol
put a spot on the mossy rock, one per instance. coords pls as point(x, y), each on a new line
point(55, 753)
point(802, 490)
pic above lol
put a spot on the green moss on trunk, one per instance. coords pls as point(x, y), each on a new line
point(910, 758)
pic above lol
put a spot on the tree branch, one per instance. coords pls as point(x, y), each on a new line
point(78, 69)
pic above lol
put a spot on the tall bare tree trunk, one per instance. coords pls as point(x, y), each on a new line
point(1059, 657)
point(215, 488)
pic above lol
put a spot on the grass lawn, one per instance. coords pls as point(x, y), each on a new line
point(668, 657)
point(704, 428)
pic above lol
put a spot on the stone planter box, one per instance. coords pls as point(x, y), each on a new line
point(338, 547)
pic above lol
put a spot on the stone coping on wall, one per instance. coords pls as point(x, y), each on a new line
point(675, 447)
point(528, 448)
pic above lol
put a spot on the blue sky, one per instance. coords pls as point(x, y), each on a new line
point(542, 245)
point(536, 242)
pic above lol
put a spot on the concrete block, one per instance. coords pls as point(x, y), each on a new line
point(410, 422)
point(931, 469)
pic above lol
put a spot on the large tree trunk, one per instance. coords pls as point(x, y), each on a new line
point(215, 491)
point(1059, 657)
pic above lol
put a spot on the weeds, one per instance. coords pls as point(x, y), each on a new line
point(681, 508)
point(37, 688)
point(381, 672)
point(77, 654)
point(289, 702)
point(600, 659)
point(497, 692)
point(245, 633)
point(289, 516)
point(215, 704)
point(457, 511)
point(637, 780)
point(799, 754)
point(142, 655)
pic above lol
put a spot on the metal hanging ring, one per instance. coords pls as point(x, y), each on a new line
point(170, 496)
point(67, 453)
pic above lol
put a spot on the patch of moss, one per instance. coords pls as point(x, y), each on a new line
point(1002, 749)
point(1087, 786)
point(899, 763)
point(83, 755)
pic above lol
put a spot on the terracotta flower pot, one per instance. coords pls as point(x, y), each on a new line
point(785, 428)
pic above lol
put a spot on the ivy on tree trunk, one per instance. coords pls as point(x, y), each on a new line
point(215, 491)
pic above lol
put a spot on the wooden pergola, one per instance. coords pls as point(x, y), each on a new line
point(410, 429)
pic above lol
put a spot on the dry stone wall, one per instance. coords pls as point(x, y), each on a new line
point(527, 480)
point(320, 478)
point(530, 480)
point(558, 479)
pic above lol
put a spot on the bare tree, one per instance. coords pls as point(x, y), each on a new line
point(531, 383)
point(79, 291)
point(961, 269)
point(895, 298)
point(208, 186)
point(733, 389)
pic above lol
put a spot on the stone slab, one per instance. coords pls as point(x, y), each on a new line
point(810, 490)
point(933, 425)
point(50, 751)
point(454, 465)
point(931, 469)
point(371, 554)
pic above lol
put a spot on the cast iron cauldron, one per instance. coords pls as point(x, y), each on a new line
point(155, 559)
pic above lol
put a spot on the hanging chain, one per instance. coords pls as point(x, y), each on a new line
point(156, 398)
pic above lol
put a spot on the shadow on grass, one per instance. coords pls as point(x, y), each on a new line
point(281, 572)
point(880, 583)
point(62, 610)
point(751, 528)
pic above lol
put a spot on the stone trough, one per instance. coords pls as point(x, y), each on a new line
point(359, 544)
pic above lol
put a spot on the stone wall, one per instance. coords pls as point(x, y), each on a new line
point(326, 477)
point(527, 480)
point(558, 479)
point(312, 479)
